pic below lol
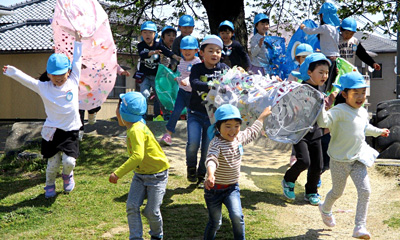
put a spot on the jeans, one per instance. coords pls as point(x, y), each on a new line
point(230, 197)
point(182, 101)
point(152, 185)
point(149, 82)
point(197, 125)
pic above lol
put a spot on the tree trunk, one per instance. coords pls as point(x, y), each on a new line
point(232, 10)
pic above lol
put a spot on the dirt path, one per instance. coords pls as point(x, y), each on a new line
point(263, 169)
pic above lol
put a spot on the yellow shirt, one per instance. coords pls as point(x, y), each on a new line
point(146, 155)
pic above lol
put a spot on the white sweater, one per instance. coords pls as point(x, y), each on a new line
point(348, 127)
point(329, 39)
point(61, 103)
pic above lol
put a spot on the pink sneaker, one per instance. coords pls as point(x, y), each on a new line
point(69, 183)
point(327, 218)
point(166, 140)
point(292, 160)
point(361, 232)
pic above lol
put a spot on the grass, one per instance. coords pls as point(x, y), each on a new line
point(96, 208)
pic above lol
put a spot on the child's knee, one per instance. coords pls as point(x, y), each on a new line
point(364, 193)
point(132, 207)
point(68, 162)
point(151, 213)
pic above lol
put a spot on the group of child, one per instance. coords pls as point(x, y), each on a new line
point(222, 143)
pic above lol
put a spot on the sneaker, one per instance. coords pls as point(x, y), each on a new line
point(159, 118)
point(361, 232)
point(313, 198)
point(92, 118)
point(191, 174)
point(166, 140)
point(69, 182)
point(292, 160)
point(288, 189)
point(80, 136)
point(200, 183)
point(327, 218)
point(319, 183)
point(50, 191)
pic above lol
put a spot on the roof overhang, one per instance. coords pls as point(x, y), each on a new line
point(5, 12)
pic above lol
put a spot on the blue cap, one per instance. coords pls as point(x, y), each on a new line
point(189, 42)
point(224, 112)
point(212, 39)
point(186, 21)
point(351, 80)
point(303, 71)
point(133, 106)
point(228, 24)
point(349, 24)
point(148, 25)
point(257, 18)
point(58, 64)
point(304, 49)
point(329, 14)
point(166, 28)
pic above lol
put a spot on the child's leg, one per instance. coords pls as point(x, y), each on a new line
point(145, 86)
point(194, 128)
point(205, 142)
point(178, 108)
point(302, 163)
point(359, 175)
point(214, 199)
point(68, 164)
point(234, 206)
point(316, 164)
point(135, 200)
point(339, 173)
point(156, 185)
point(53, 166)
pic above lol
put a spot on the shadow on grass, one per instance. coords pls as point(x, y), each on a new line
point(38, 201)
point(12, 186)
point(311, 234)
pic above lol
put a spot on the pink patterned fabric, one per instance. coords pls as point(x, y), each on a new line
point(99, 57)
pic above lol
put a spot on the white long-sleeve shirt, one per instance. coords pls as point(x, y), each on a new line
point(60, 102)
point(329, 39)
point(348, 127)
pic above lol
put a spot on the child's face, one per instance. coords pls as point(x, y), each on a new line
point(186, 31)
point(169, 38)
point(262, 27)
point(226, 36)
point(319, 75)
point(229, 129)
point(300, 59)
point(58, 80)
point(211, 55)
point(188, 54)
point(355, 97)
point(148, 36)
point(346, 34)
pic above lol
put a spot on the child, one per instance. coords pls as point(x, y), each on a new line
point(328, 36)
point(258, 51)
point(302, 51)
point(223, 168)
point(149, 163)
point(314, 71)
point(186, 26)
point(198, 120)
point(350, 47)
point(348, 123)
point(189, 47)
point(233, 53)
point(60, 130)
point(149, 51)
point(168, 35)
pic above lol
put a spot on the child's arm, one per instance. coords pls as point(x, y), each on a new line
point(210, 181)
point(122, 72)
point(195, 82)
point(211, 163)
point(77, 58)
point(21, 77)
point(255, 47)
point(250, 133)
point(362, 54)
point(326, 118)
point(376, 132)
point(311, 31)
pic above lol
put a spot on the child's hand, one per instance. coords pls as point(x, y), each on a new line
point(125, 73)
point(376, 66)
point(4, 69)
point(302, 26)
point(264, 114)
point(113, 178)
point(78, 36)
point(261, 42)
point(385, 132)
point(176, 57)
point(183, 83)
point(209, 183)
point(151, 53)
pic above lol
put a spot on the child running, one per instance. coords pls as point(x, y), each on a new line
point(60, 143)
point(189, 47)
point(149, 163)
point(313, 71)
point(350, 155)
point(168, 35)
point(223, 168)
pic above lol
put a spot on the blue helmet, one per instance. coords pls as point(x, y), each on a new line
point(259, 17)
point(228, 24)
point(351, 80)
point(349, 24)
point(189, 42)
point(148, 25)
point(186, 21)
point(166, 28)
point(304, 49)
point(303, 71)
point(212, 39)
point(329, 14)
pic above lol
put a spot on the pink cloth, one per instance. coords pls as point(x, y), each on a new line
point(99, 57)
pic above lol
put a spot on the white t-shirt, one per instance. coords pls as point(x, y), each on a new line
point(61, 103)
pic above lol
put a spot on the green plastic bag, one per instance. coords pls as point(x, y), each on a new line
point(344, 67)
point(166, 86)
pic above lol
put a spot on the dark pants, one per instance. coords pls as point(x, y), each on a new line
point(325, 143)
point(309, 156)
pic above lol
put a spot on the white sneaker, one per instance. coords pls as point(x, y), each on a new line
point(327, 218)
point(361, 232)
point(80, 136)
point(92, 118)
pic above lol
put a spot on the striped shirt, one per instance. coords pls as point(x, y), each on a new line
point(184, 68)
point(226, 156)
